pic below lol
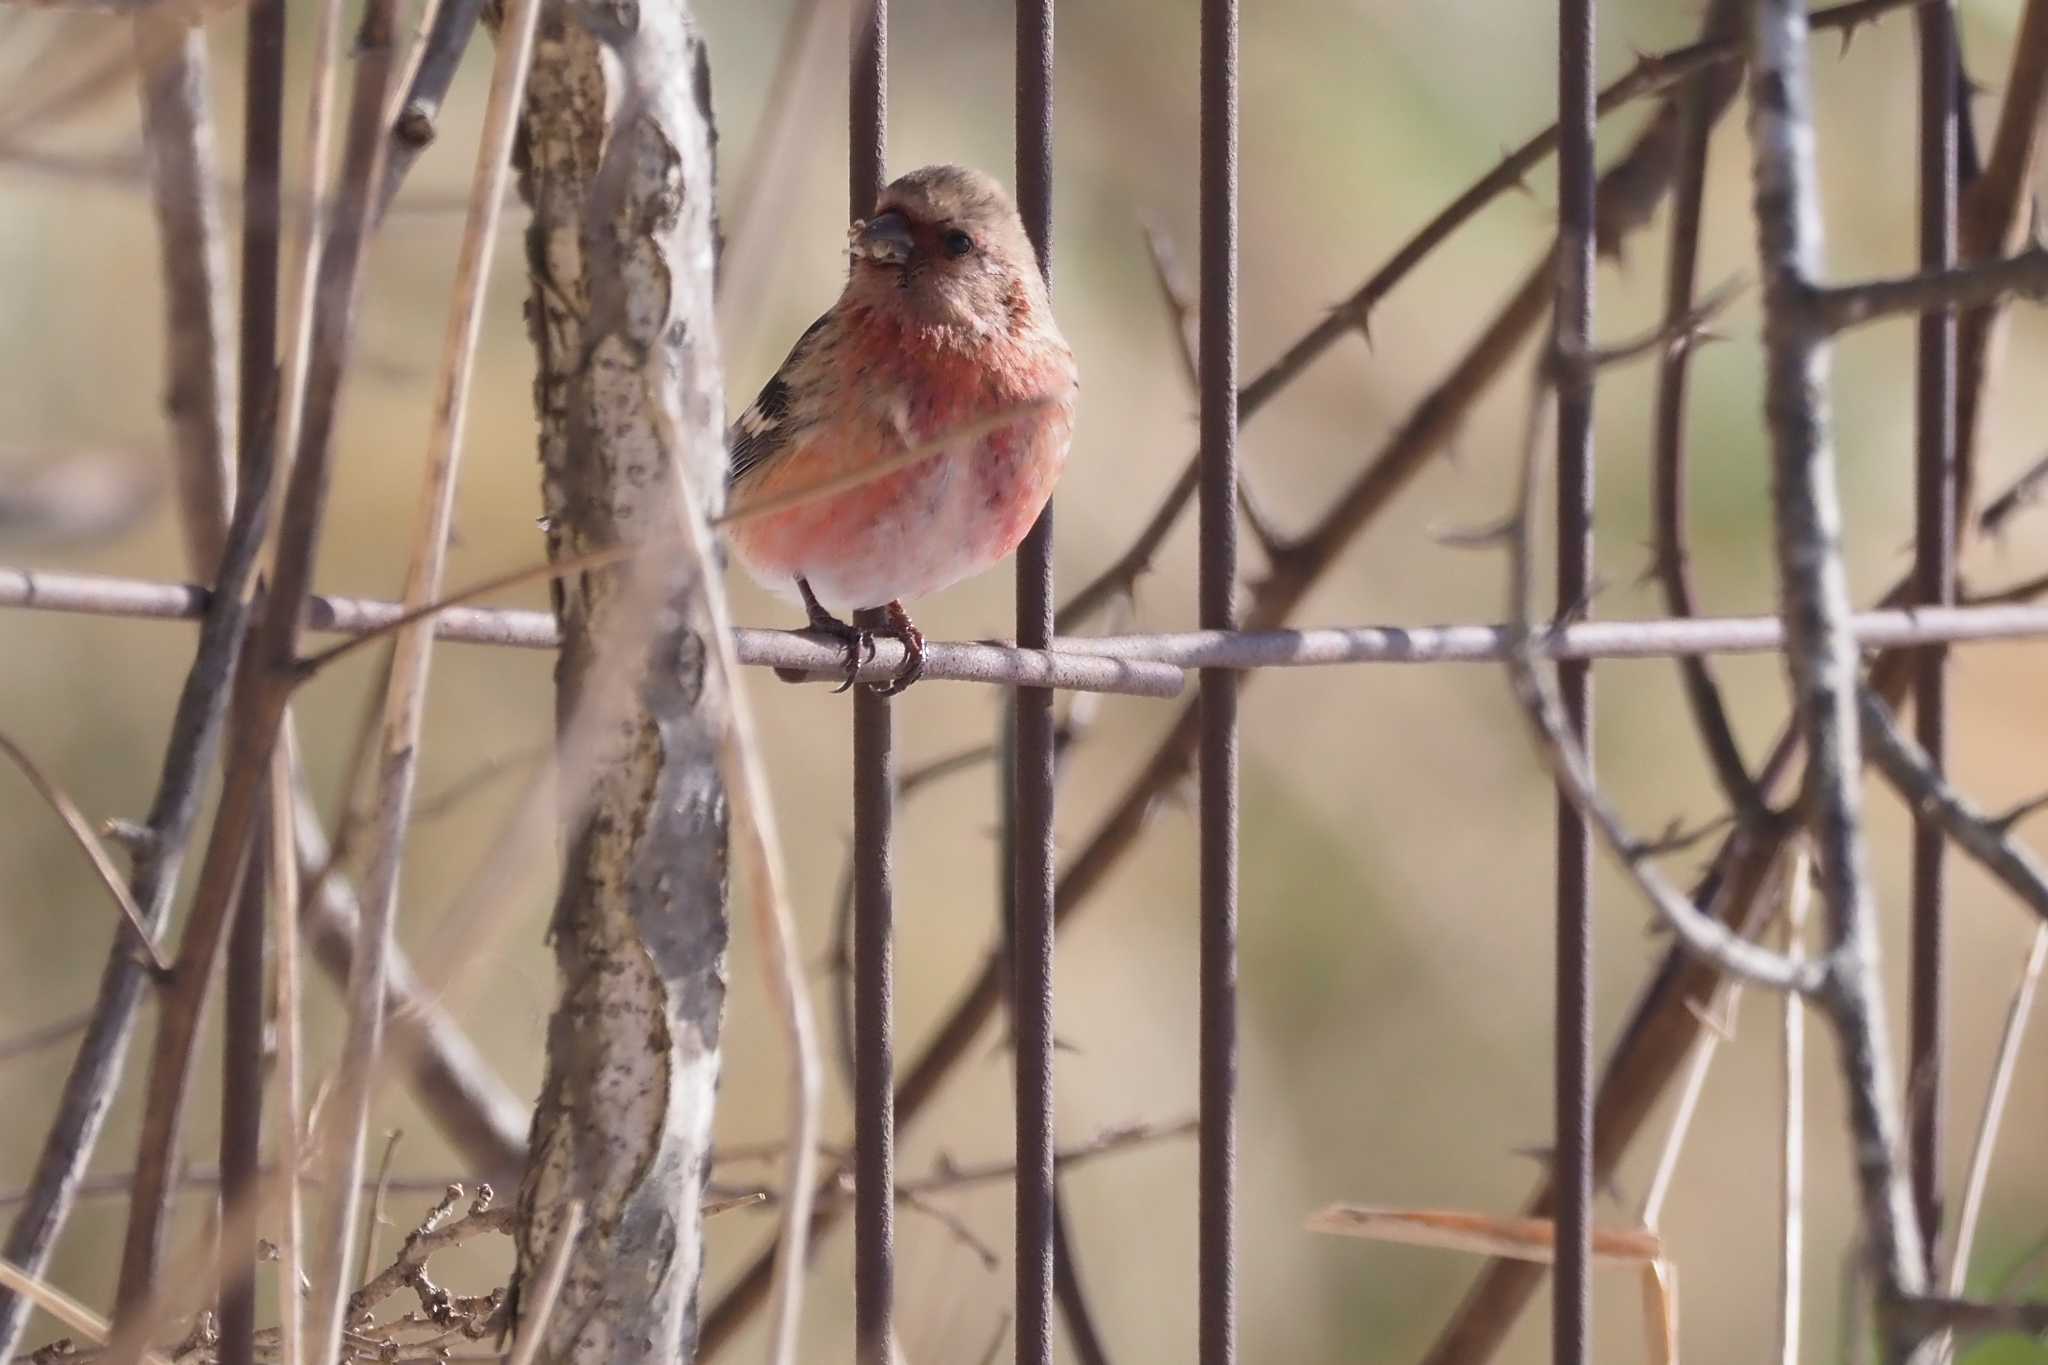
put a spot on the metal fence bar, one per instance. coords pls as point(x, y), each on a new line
point(1031, 952)
point(1075, 661)
point(1934, 581)
point(874, 1119)
point(1217, 1330)
point(1576, 174)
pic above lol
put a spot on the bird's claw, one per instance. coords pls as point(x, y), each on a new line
point(901, 628)
point(860, 642)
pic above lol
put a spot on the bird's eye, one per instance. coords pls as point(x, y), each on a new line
point(958, 243)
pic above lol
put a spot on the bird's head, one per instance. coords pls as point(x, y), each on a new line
point(945, 248)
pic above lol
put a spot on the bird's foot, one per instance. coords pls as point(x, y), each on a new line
point(859, 642)
point(901, 628)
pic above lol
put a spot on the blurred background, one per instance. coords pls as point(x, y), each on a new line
point(1396, 922)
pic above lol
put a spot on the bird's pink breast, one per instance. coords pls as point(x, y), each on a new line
point(920, 529)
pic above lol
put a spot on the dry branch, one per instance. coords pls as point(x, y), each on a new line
point(1814, 598)
point(620, 251)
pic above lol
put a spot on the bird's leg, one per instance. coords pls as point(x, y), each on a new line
point(901, 628)
point(860, 644)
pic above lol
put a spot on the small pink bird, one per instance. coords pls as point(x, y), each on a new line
point(944, 325)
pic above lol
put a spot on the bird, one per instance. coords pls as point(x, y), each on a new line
point(945, 325)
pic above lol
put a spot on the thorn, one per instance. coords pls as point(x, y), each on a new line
point(2033, 805)
point(1481, 537)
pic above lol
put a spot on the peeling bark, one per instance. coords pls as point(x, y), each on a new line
point(621, 255)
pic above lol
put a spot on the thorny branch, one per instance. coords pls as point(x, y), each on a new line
point(1565, 754)
point(1839, 307)
point(1820, 657)
point(1984, 837)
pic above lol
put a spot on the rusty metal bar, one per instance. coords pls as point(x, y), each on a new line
point(1573, 1044)
point(1934, 581)
point(1217, 1328)
point(874, 1118)
point(1031, 957)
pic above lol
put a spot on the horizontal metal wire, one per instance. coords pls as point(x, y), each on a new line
point(1135, 665)
point(805, 656)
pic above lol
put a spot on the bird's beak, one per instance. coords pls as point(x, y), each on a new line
point(884, 239)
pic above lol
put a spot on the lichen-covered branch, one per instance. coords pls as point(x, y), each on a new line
point(620, 251)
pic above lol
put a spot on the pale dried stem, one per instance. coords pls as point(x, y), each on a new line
point(746, 778)
point(757, 215)
point(1792, 1157)
point(406, 691)
point(1704, 1049)
point(283, 896)
point(556, 1268)
point(1992, 1117)
point(59, 1305)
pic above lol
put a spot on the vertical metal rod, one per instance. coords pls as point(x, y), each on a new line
point(1574, 1043)
point(1934, 576)
point(874, 1119)
point(1031, 953)
point(1217, 1332)
point(242, 1071)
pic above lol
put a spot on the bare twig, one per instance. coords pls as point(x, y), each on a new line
point(1815, 601)
point(177, 129)
point(81, 830)
point(1927, 792)
point(2024, 492)
point(1564, 754)
point(1976, 285)
point(1698, 104)
point(47, 1036)
point(453, 24)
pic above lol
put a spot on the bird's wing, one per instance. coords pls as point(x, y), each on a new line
point(767, 427)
